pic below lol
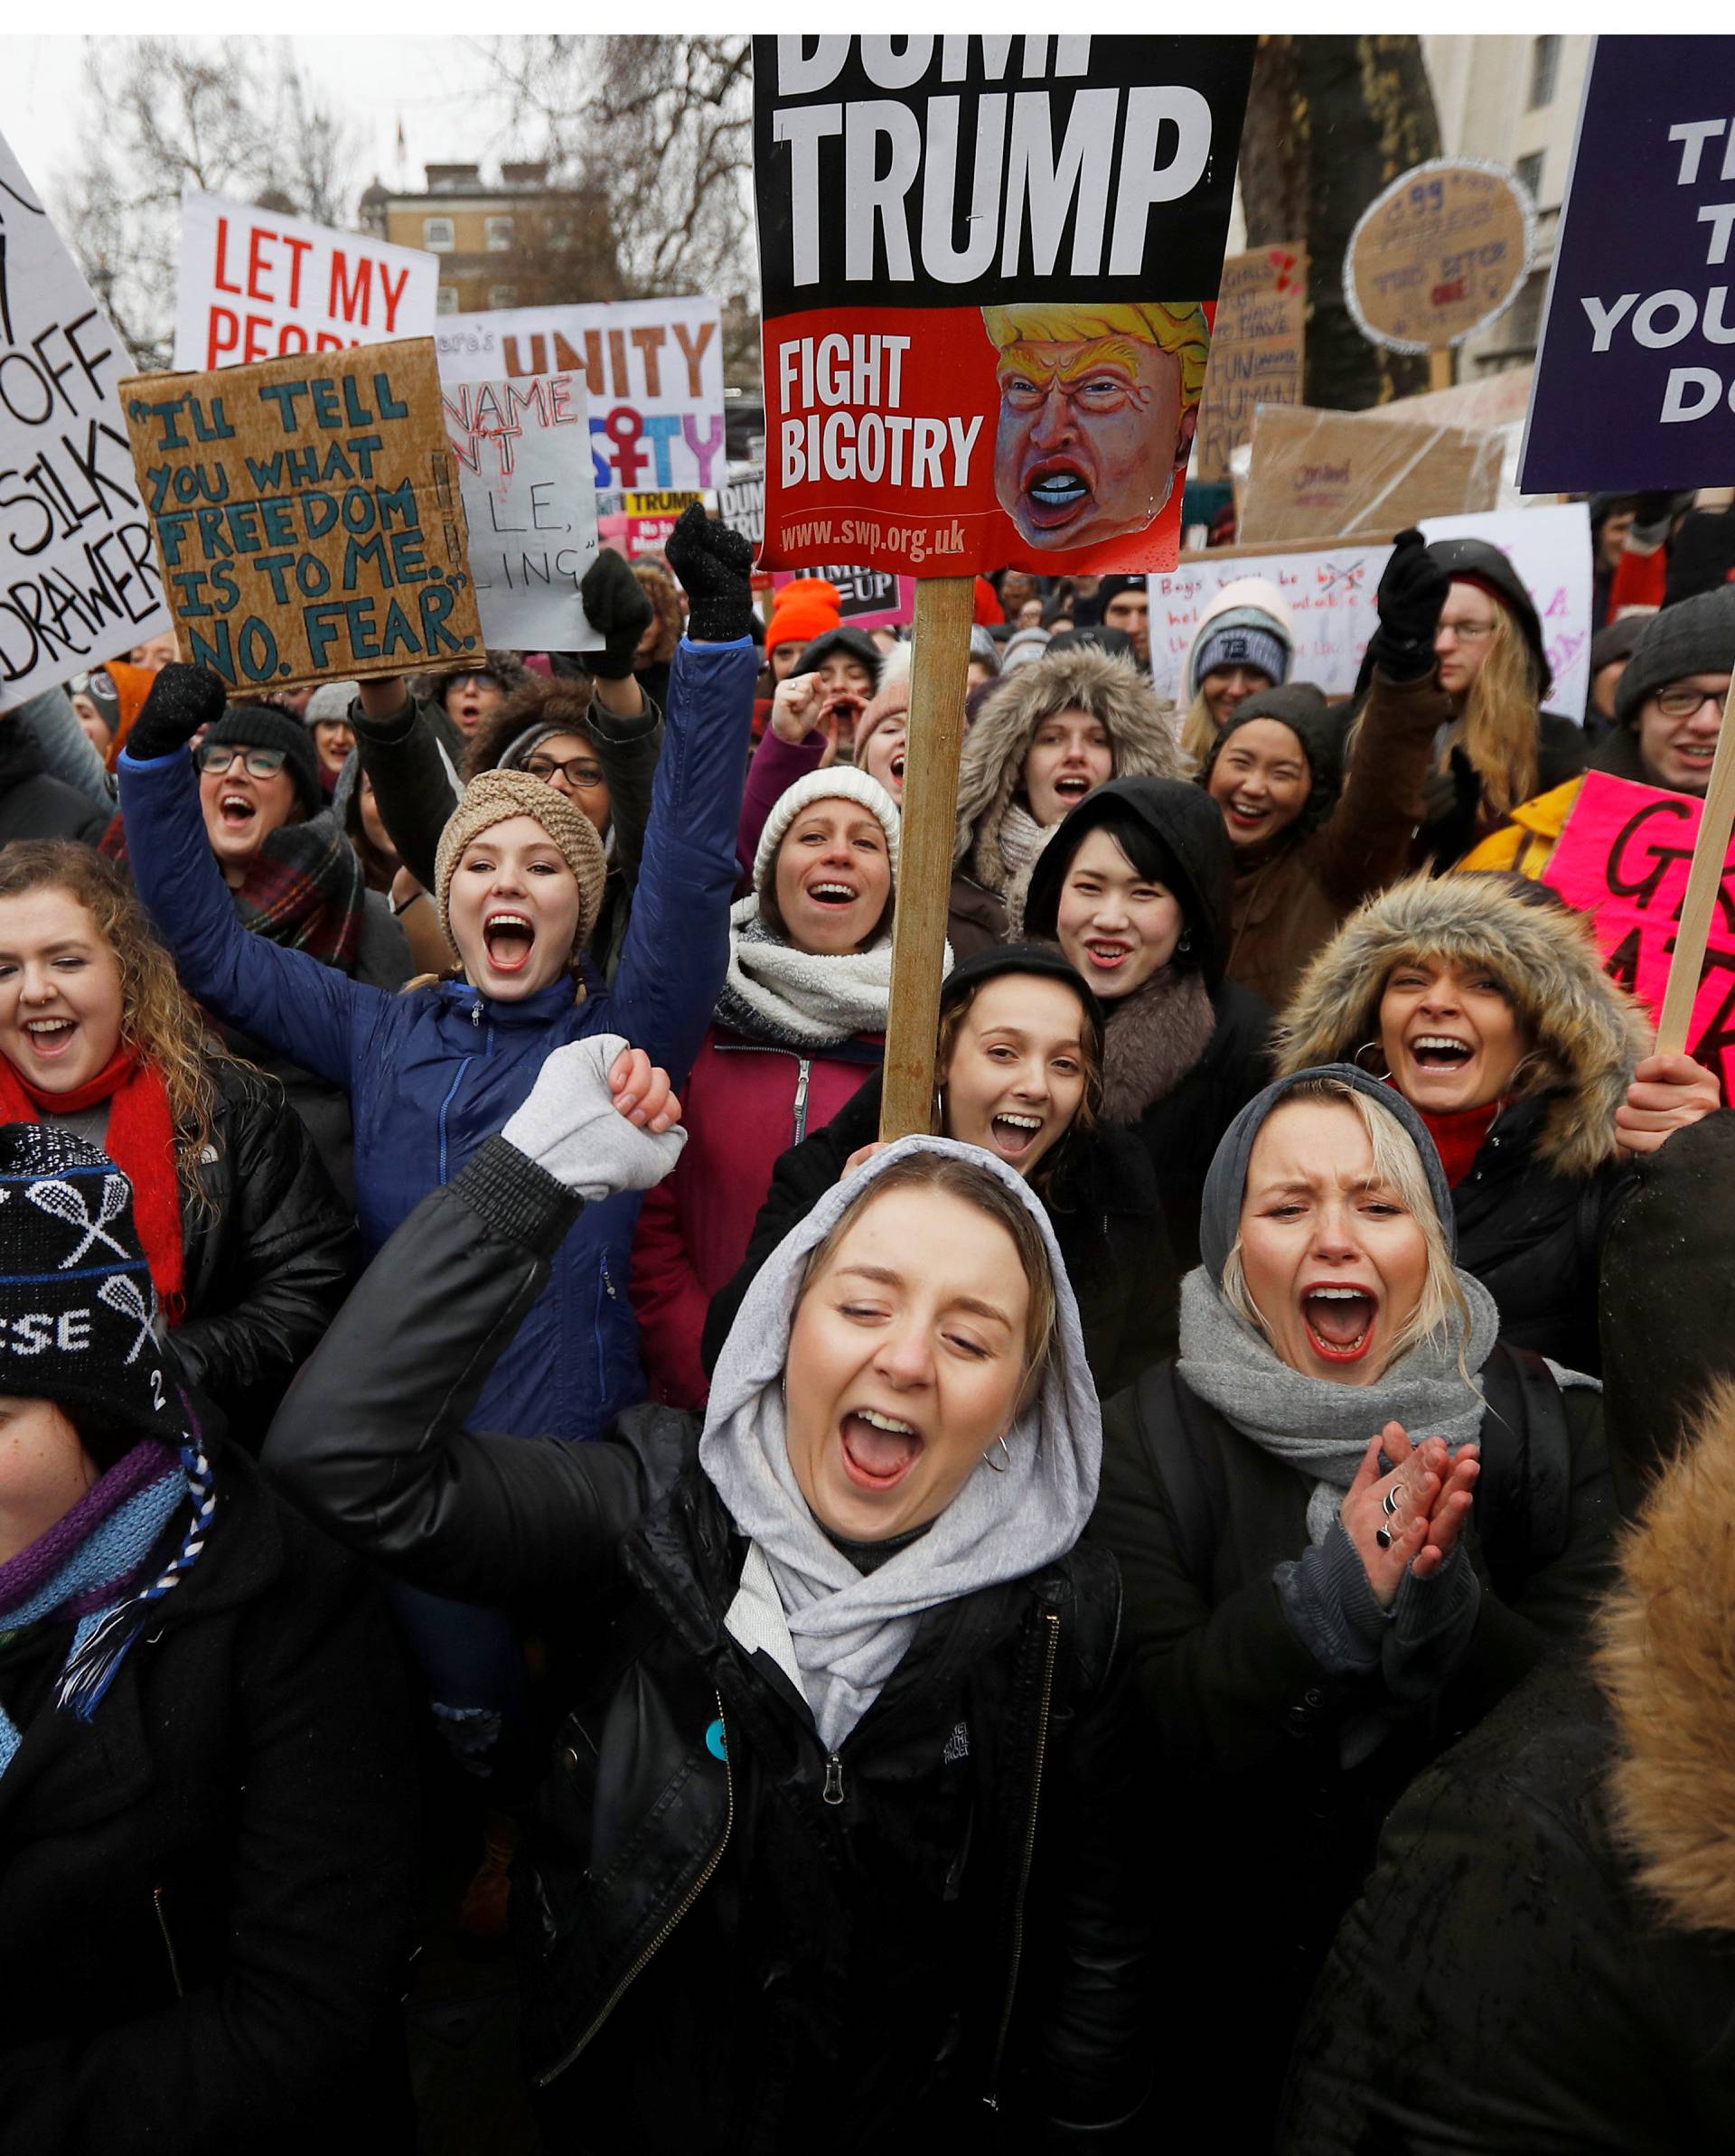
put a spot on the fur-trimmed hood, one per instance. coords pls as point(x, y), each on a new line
point(1588, 1034)
point(1667, 1665)
point(1110, 689)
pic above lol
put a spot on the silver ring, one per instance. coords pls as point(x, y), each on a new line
point(1390, 1501)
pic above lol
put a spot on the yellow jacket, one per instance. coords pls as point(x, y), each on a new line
point(1526, 840)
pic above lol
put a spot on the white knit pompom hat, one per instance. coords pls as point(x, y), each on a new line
point(842, 782)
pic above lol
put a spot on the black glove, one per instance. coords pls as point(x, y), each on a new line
point(618, 607)
point(715, 566)
point(1411, 594)
point(1652, 515)
point(182, 699)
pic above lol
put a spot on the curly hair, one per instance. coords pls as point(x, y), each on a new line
point(536, 701)
point(160, 1023)
point(664, 595)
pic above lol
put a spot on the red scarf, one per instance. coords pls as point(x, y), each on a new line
point(141, 1144)
point(1459, 1133)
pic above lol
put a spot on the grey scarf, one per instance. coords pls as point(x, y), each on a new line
point(1318, 1428)
point(838, 1633)
point(802, 1000)
point(1155, 1037)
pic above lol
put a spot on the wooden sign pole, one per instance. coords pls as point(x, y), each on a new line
point(1704, 880)
point(945, 609)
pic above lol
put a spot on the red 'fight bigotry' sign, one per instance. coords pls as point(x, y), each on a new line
point(255, 286)
point(989, 265)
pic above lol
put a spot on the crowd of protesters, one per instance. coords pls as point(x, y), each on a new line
point(1189, 1601)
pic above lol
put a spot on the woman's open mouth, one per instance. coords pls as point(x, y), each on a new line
point(1073, 785)
point(237, 811)
point(508, 940)
point(878, 1449)
point(833, 895)
point(49, 1037)
point(1340, 1321)
point(1440, 1052)
point(1055, 492)
point(1014, 1132)
point(1106, 955)
point(1245, 816)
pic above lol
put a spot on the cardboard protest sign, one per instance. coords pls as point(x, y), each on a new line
point(741, 503)
point(653, 370)
point(1258, 351)
point(1316, 474)
point(257, 285)
point(1634, 380)
point(1329, 589)
point(523, 457)
point(1439, 254)
point(987, 265)
point(1623, 858)
point(870, 598)
point(78, 570)
point(308, 515)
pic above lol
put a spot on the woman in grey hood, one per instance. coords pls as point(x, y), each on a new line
point(1348, 1518)
point(843, 1821)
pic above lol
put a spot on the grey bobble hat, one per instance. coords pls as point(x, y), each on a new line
point(1695, 637)
point(1226, 1183)
point(331, 699)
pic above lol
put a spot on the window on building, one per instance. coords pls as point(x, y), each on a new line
point(436, 234)
point(1545, 69)
point(500, 234)
point(1529, 172)
point(446, 303)
point(503, 295)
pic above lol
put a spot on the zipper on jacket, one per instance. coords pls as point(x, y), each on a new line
point(691, 1896)
point(451, 1095)
point(475, 1013)
point(1052, 1621)
point(833, 1790)
point(163, 1925)
point(802, 1078)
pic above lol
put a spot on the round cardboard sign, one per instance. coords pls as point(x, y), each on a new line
point(1438, 255)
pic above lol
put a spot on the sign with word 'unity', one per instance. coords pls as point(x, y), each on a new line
point(988, 266)
point(1635, 382)
point(1624, 860)
point(255, 286)
point(308, 515)
point(653, 378)
point(78, 578)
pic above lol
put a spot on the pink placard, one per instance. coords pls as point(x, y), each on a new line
point(872, 598)
point(1624, 860)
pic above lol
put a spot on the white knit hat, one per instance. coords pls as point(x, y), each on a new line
point(841, 782)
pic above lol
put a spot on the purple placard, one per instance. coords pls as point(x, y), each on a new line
point(1644, 268)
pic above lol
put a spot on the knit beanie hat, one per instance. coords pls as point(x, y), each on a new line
point(258, 725)
point(1243, 637)
point(802, 610)
point(330, 700)
point(837, 642)
point(1614, 640)
point(891, 702)
point(982, 646)
point(104, 692)
point(76, 1307)
point(1696, 637)
point(843, 781)
point(495, 797)
point(1301, 707)
point(1111, 588)
point(1024, 649)
point(1226, 1183)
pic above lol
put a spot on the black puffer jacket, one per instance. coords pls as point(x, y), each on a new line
point(266, 1260)
point(1111, 1230)
point(205, 1889)
point(728, 1934)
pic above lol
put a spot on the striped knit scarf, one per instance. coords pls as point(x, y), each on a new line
point(93, 1567)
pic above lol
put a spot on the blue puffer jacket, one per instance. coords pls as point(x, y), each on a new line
point(432, 1074)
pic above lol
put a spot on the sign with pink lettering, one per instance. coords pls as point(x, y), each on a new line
point(1624, 858)
point(256, 285)
point(868, 598)
point(653, 374)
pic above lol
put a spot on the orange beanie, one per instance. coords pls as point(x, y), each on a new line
point(804, 610)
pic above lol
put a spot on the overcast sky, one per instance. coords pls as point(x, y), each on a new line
point(430, 83)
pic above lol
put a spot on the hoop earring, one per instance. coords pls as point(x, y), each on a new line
point(1184, 943)
point(1360, 1060)
point(999, 1465)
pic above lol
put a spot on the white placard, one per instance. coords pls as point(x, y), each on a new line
point(79, 576)
point(1330, 592)
point(255, 286)
point(524, 470)
point(653, 369)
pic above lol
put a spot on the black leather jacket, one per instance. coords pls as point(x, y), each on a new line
point(730, 1937)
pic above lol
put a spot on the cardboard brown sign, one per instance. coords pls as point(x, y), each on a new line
point(308, 515)
point(1318, 474)
point(1257, 349)
point(1438, 255)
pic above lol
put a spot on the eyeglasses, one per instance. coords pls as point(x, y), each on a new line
point(1684, 703)
point(260, 763)
point(1467, 631)
point(577, 771)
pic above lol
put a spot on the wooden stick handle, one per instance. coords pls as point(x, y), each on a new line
point(945, 609)
point(1704, 880)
